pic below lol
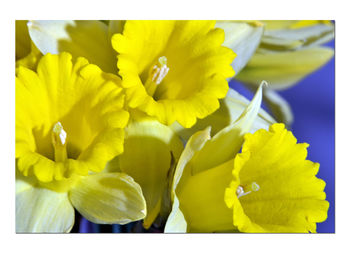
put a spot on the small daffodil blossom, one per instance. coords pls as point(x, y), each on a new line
point(173, 70)
point(69, 124)
point(268, 187)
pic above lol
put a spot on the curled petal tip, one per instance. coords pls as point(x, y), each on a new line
point(263, 82)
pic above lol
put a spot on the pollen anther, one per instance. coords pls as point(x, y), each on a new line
point(58, 130)
point(59, 137)
point(157, 73)
point(252, 187)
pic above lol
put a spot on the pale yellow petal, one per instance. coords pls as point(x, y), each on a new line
point(39, 210)
point(283, 69)
point(243, 38)
point(297, 37)
point(176, 221)
point(148, 150)
point(108, 198)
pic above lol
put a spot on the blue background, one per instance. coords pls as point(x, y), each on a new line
point(312, 101)
point(313, 104)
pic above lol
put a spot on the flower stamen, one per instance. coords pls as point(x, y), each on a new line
point(156, 75)
point(252, 187)
point(59, 137)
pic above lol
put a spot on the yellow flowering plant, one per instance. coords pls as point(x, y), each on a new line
point(114, 120)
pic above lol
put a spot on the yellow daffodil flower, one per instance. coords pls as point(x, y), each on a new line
point(151, 151)
point(69, 124)
point(274, 189)
point(173, 70)
point(268, 187)
point(27, 54)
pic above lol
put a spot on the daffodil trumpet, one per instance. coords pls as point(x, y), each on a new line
point(69, 124)
point(173, 70)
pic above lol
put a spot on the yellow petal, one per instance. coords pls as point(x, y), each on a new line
point(148, 151)
point(108, 198)
point(39, 210)
point(85, 38)
point(197, 68)
point(176, 222)
point(290, 197)
point(201, 199)
point(228, 141)
point(282, 70)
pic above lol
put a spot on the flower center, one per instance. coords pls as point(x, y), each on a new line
point(242, 191)
point(59, 137)
point(156, 75)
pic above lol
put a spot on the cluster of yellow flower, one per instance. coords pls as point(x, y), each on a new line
point(114, 119)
